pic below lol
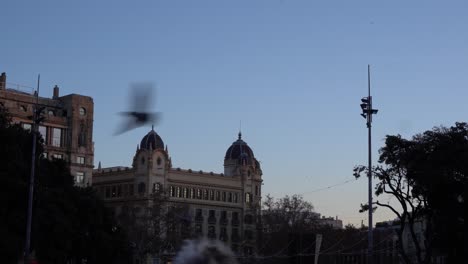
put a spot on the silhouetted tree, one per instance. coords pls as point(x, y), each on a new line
point(428, 177)
point(69, 223)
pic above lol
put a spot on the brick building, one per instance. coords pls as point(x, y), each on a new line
point(67, 128)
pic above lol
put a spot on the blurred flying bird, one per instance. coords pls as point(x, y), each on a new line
point(139, 114)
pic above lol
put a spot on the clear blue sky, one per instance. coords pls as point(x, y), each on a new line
point(292, 71)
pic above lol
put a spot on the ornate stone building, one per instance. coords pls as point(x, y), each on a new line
point(221, 206)
point(67, 128)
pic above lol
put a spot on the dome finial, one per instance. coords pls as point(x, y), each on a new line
point(240, 129)
point(152, 127)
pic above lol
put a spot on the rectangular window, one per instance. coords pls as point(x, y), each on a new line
point(108, 192)
point(230, 197)
point(247, 198)
point(224, 196)
point(198, 229)
point(119, 190)
point(79, 177)
point(44, 155)
point(211, 195)
point(57, 156)
point(198, 213)
point(218, 196)
point(236, 197)
point(192, 193)
point(177, 191)
point(80, 160)
point(130, 189)
point(156, 187)
point(185, 192)
point(205, 194)
point(211, 213)
point(43, 132)
point(57, 137)
point(199, 194)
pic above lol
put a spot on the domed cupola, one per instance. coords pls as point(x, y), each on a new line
point(240, 151)
point(152, 141)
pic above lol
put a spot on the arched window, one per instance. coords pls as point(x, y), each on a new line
point(82, 111)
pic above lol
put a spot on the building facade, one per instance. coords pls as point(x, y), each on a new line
point(67, 127)
point(221, 206)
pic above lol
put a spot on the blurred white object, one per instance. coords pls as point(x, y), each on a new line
point(204, 252)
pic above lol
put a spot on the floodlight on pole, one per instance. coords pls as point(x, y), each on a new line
point(367, 112)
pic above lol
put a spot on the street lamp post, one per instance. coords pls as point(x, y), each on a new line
point(37, 118)
point(367, 112)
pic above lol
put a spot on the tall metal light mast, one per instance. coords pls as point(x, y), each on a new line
point(36, 120)
point(367, 112)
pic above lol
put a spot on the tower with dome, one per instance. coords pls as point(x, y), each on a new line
point(222, 206)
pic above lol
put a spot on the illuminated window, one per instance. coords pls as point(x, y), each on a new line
point(57, 156)
point(56, 137)
point(192, 193)
point(248, 198)
point(26, 126)
point(178, 191)
point(199, 196)
point(211, 195)
point(185, 192)
point(51, 113)
point(79, 177)
point(82, 111)
point(43, 132)
point(171, 191)
point(80, 160)
point(156, 187)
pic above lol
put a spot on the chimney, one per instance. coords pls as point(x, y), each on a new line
point(56, 92)
point(3, 81)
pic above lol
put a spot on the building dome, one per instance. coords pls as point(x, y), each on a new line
point(239, 150)
point(151, 141)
